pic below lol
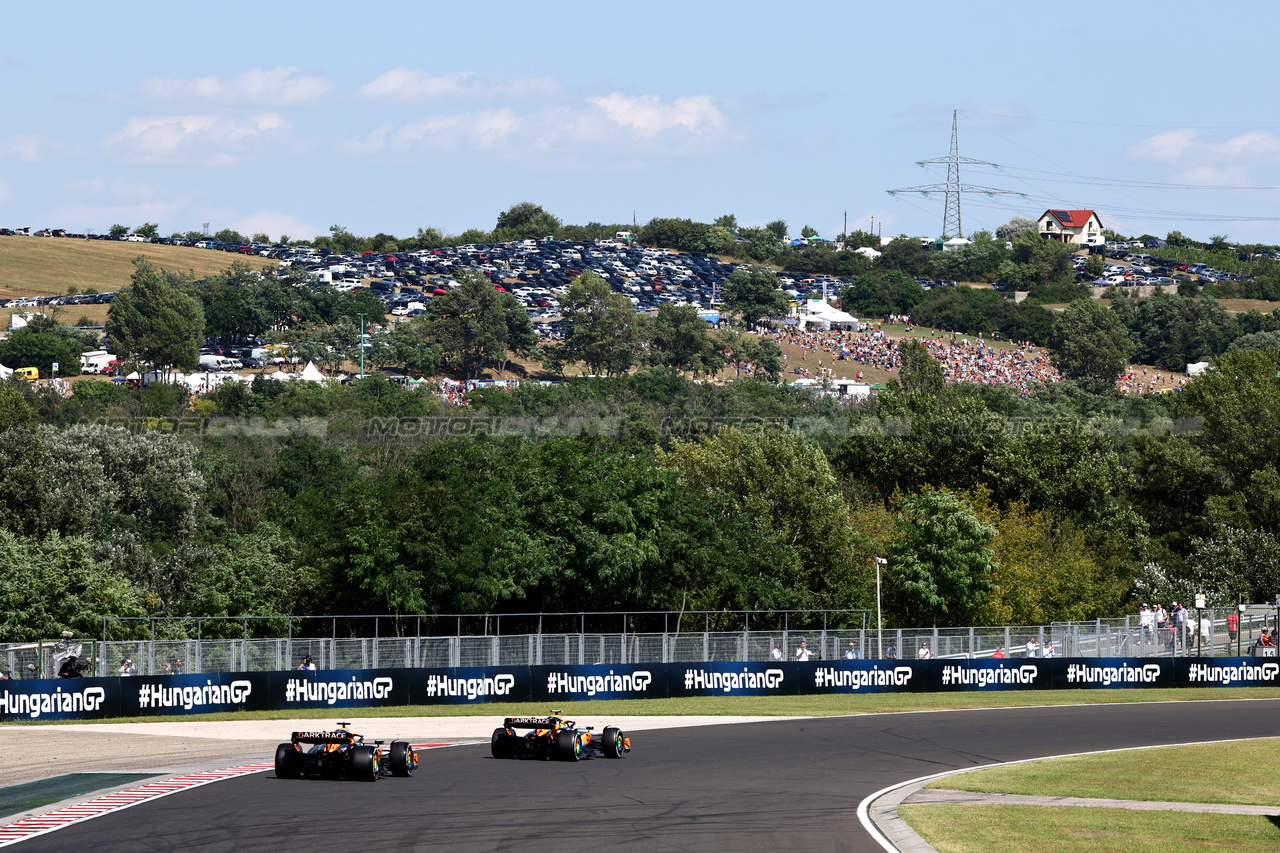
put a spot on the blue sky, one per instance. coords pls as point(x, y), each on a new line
point(290, 117)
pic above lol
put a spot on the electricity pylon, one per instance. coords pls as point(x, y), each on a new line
point(953, 188)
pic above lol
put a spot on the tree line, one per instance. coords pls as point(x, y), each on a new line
point(645, 490)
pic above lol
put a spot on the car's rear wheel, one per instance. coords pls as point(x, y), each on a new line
point(568, 746)
point(614, 742)
point(502, 744)
point(364, 763)
point(288, 762)
point(403, 759)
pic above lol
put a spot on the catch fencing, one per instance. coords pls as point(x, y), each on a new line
point(167, 647)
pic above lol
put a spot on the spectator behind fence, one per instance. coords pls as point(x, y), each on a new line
point(999, 652)
point(70, 668)
point(307, 664)
point(852, 653)
point(1032, 648)
point(892, 652)
point(1048, 649)
point(126, 668)
point(777, 654)
point(803, 652)
point(923, 653)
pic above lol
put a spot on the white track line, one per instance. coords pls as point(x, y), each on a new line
point(864, 807)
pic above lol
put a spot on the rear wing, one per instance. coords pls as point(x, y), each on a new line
point(533, 722)
point(323, 737)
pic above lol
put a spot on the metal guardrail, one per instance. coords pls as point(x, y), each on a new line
point(158, 654)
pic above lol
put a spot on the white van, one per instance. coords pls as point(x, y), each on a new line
point(217, 363)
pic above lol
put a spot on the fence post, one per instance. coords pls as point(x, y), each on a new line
point(1006, 639)
point(706, 638)
point(1042, 640)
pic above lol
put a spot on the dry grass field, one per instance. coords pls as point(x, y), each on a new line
point(37, 266)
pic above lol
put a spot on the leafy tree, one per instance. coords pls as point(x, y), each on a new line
point(921, 373)
point(1258, 340)
point(764, 353)
point(776, 488)
point(411, 347)
point(777, 228)
point(1095, 266)
point(807, 232)
point(1014, 228)
point(149, 230)
point(54, 584)
point(681, 341)
point(942, 563)
point(880, 293)
point(42, 343)
point(1091, 346)
point(525, 221)
point(1173, 331)
point(1045, 570)
point(1037, 262)
point(229, 235)
point(154, 322)
point(118, 230)
point(15, 413)
point(906, 255)
point(475, 324)
point(603, 330)
point(752, 293)
point(1235, 564)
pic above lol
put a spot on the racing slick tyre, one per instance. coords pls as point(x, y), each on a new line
point(288, 762)
point(614, 742)
point(568, 746)
point(502, 744)
point(364, 763)
point(403, 759)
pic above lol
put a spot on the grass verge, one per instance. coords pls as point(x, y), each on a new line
point(982, 829)
point(1202, 773)
point(760, 706)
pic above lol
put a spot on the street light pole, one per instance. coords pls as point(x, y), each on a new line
point(361, 346)
point(880, 561)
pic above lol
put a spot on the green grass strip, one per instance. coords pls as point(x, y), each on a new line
point(1238, 773)
point(984, 829)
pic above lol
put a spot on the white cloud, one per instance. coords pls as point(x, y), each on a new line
point(485, 128)
point(1165, 147)
point(1215, 162)
point(286, 86)
point(275, 224)
point(23, 148)
point(413, 85)
point(215, 140)
point(647, 116)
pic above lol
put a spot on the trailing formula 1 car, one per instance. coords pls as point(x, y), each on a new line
point(342, 754)
point(556, 737)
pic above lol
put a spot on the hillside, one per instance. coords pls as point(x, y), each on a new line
point(35, 266)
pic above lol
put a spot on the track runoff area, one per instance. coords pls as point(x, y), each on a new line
point(785, 784)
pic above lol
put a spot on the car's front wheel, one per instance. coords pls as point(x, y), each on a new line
point(403, 759)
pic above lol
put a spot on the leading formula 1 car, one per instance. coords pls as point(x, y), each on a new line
point(556, 737)
point(342, 754)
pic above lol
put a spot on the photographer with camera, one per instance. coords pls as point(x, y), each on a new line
point(71, 668)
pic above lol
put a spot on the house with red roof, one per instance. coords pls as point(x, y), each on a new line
point(1070, 226)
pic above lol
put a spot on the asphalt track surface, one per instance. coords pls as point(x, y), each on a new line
point(771, 786)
